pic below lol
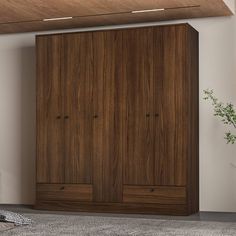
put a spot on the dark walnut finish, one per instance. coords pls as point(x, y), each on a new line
point(27, 15)
point(77, 74)
point(127, 136)
point(128, 208)
point(108, 116)
point(138, 159)
point(65, 192)
point(50, 109)
point(192, 93)
point(170, 108)
point(153, 194)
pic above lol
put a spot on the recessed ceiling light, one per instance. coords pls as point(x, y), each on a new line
point(150, 10)
point(59, 18)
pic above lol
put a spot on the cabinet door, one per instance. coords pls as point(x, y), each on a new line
point(78, 116)
point(108, 79)
point(138, 73)
point(170, 111)
point(50, 151)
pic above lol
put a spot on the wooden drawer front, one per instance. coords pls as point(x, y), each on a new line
point(69, 192)
point(154, 194)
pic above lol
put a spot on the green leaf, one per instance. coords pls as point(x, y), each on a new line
point(226, 113)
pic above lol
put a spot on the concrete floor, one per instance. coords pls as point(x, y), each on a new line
point(202, 216)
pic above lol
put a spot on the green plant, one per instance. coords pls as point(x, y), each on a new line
point(226, 112)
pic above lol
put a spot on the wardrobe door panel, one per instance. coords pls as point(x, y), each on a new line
point(138, 161)
point(107, 158)
point(50, 159)
point(170, 105)
point(78, 76)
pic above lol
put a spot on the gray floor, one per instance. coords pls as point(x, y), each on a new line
point(202, 216)
point(97, 224)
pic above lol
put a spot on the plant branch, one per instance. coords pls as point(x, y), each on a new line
point(226, 113)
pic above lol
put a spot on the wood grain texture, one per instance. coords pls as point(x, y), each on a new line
point(64, 192)
point(50, 142)
point(77, 72)
point(154, 194)
point(192, 92)
point(27, 15)
point(135, 93)
point(127, 208)
point(170, 105)
point(107, 158)
point(138, 53)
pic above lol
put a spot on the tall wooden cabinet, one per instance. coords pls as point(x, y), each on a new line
point(117, 121)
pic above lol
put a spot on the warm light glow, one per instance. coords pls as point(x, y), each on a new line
point(60, 18)
point(150, 10)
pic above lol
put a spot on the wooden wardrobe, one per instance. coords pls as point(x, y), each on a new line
point(117, 121)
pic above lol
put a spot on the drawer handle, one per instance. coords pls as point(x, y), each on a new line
point(152, 190)
point(62, 188)
point(147, 115)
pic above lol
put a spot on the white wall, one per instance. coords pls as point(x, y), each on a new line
point(17, 120)
point(230, 4)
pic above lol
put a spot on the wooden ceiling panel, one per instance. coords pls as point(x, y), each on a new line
point(27, 15)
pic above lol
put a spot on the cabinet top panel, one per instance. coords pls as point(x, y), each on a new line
point(42, 15)
point(179, 26)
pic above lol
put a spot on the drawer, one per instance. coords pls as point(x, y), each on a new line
point(69, 192)
point(154, 194)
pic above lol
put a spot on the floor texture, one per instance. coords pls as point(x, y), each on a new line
point(5, 226)
point(85, 224)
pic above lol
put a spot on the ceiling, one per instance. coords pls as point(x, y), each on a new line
point(28, 15)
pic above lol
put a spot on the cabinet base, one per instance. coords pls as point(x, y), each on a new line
point(157, 209)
